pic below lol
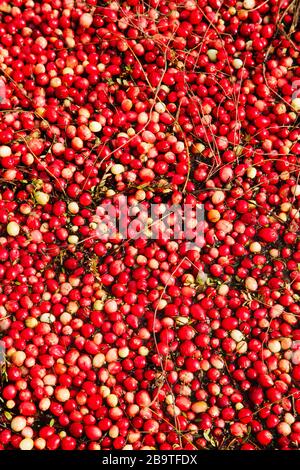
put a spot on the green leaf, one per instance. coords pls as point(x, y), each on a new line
point(8, 415)
point(209, 438)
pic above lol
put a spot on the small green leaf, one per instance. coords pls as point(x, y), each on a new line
point(209, 438)
point(8, 415)
point(52, 422)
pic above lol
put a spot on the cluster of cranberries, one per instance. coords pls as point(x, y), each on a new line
point(149, 343)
